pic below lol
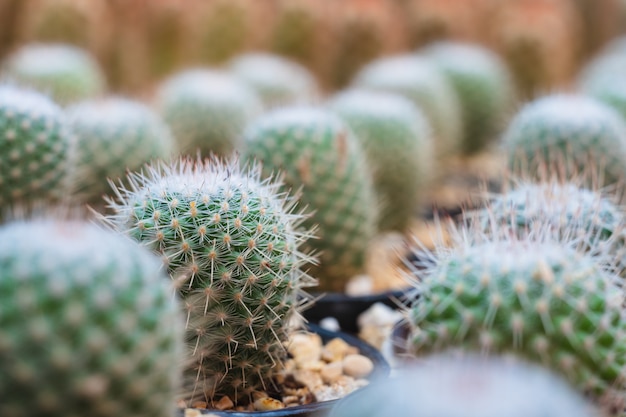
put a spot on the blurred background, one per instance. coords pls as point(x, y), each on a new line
point(138, 42)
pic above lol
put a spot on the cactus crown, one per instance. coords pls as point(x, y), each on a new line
point(230, 241)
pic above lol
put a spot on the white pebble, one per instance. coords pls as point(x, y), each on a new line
point(357, 366)
point(267, 404)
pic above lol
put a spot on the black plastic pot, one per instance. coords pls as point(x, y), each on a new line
point(319, 409)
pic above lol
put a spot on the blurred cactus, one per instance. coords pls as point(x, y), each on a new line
point(223, 30)
point(294, 32)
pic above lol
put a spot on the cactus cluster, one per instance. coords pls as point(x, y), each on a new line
point(89, 323)
point(230, 242)
point(316, 151)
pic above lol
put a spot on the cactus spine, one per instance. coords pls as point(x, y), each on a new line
point(89, 324)
point(230, 241)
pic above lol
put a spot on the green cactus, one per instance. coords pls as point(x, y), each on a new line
point(483, 85)
point(315, 150)
point(114, 135)
point(397, 140)
point(35, 147)
point(207, 110)
point(420, 80)
point(566, 208)
point(568, 132)
point(89, 324)
point(532, 296)
point(278, 81)
point(230, 241)
point(603, 79)
point(470, 386)
point(66, 73)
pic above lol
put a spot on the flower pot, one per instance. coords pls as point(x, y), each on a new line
point(316, 409)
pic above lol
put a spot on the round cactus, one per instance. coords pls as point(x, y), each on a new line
point(571, 131)
point(66, 73)
point(420, 80)
point(470, 386)
point(483, 85)
point(603, 79)
point(317, 152)
point(114, 135)
point(397, 140)
point(532, 296)
point(89, 324)
point(207, 110)
point(35, 147)
point(278, 81)
point(230, 242)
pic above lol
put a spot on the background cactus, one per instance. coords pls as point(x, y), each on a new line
point(420, 80)
point(483, 85)
point(207, 110)
point(277, 81)
point(603, 78)
point(315, 150)
point(223, 31)
point(89, 324)
point(114, 135)
point(532, 296)
point(470, 387)
point(68, 74)
point(397, 139)
point(569, 132)
point(35, 147)
point(230, 241)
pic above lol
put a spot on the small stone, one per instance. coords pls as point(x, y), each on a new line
point(305, 347)
point(360, 285)
point(331, 372)
point(291, 400)
point(181, 404)
point(224, 403)
point(330, 323)
point(267, 404)
point(335, 350)
point(199, 404)
point(190, 412)
point(357, 366)
point(311, 379)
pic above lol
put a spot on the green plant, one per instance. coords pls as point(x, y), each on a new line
point(89, 324)
point(207, 110)
point(114, 135)
point(533, 296)
point(484, 87)
point(230, 242)
point(602, 78)
point(568, 132)
point(418, 79)
point(470, 386)
point(66, 73)
point(317, 152)
point(397, 140)
point(35, 147)
point(278, 81)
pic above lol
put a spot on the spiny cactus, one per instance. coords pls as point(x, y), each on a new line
point(470, 386)
point(603, 79)
point(35, 147)
point(397, 139)
point(230, 241)
point(114, 135)
point(66, 73)
point(533, 296)
point(89, 324)
point(484, 87)
point(278, 81)
point(316, 151)
point(420, 80)
point(569, 131)
point(207, 110)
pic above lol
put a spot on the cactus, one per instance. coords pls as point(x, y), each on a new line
point(533, 296)
point(470, 386)
point(223, 32)
point(569, 130)
point(278, 81)
point(566, 208)
point(603, 79)
point(115, 135)
point(207, 110)
point(317, 152)
point(397, 140)
point(294, 32)
point(230, 241)
point(89, 324)
point(420, 80)
point(35, 147)
point(484, 87)
point(68, 74)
